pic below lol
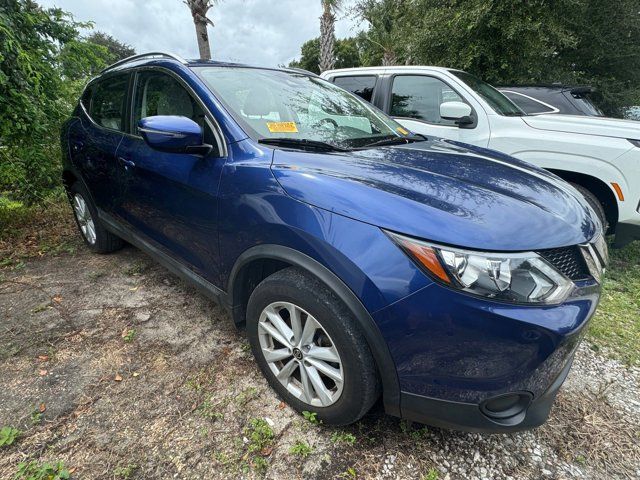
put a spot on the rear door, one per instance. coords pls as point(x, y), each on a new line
point(172, 198)
point(93, 140)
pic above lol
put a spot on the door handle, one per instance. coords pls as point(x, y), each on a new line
point(77, 146)
point(126, 163)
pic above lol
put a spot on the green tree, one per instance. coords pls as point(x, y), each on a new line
point(117, 50)
point(383, 43)
point(81, 59)
point(347, 54)
point(43, 66)
point(515, 41)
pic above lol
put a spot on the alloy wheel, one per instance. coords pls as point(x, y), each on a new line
point(85, 220)
point(301, 354)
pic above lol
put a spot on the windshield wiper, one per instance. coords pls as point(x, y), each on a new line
point(395, 141)
point(303, 144)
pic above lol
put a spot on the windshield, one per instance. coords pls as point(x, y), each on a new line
point(496, 100)
point(271, 104)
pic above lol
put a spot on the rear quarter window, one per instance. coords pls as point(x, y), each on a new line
point(527, 104)
point(361, 85)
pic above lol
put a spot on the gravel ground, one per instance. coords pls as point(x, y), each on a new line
point(113, 366)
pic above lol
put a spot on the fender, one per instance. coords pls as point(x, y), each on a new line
point(377, 344)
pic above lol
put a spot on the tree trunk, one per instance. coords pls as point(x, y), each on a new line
point(203, 39)
point(389, 58)
point(327, 38)
point(199, 9)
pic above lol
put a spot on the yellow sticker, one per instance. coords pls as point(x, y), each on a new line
point(282, 127)
point(402, 131)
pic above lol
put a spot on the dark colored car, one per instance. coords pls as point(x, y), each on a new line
point(553, 98)
point(362, 260)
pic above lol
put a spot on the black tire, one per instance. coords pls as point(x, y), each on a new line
point(105, 241)
point(594, 203)
point(361, 386)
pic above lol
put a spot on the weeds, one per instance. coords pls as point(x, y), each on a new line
point(432, 474)
point(311, 417)
point(126, 472)
point(8, 435)
point(45, 471)
point(260, 438)
point(208, 410)
point(301, 449)
point(343, 437)
point(129, 334)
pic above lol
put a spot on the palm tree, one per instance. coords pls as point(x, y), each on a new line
point(199, 9)
point(327, 33)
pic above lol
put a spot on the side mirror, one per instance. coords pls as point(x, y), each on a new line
point(459, 111)
point(173, 134)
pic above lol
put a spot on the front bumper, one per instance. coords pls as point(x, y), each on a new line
point(469, 417)
point(454, 353)
point(626, 233)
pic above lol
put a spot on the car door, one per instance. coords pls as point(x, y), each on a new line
point(414, 101)
point(171, 198)
point(94, 139)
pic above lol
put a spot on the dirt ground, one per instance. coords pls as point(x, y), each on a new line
point(115, 367)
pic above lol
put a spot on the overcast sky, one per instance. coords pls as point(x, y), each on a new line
point(262, 32)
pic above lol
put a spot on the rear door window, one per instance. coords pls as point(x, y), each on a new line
point(108, 101)
point(420, 96)
point(361, 85)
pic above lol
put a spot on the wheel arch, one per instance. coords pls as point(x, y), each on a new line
point(600, 189)
point(260, 261)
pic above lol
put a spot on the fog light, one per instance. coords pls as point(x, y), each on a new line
point(507, 407)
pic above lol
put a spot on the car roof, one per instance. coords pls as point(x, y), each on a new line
point(391, 68)
point(151, 58)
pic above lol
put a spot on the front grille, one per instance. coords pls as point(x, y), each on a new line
point(568, 260)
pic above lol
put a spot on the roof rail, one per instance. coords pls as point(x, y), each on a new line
point(301, 70)
point(145, 55)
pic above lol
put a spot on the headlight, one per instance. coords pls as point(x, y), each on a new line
point(509, 277)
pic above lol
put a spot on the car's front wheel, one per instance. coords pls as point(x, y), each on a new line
point(310, 348)
point(95, 236)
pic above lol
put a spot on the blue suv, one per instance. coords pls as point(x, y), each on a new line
point(362, 260)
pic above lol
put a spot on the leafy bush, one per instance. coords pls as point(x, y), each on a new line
point(44, 64)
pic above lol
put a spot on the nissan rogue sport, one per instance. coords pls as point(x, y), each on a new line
point(362, 260)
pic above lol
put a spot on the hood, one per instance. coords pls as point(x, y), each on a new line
point(442, 191)
point(602, 126)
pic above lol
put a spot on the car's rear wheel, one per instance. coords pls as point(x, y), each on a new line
point(95, 236)
point(310, 349)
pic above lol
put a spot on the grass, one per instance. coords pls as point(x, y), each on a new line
point(616, 324)
point(34, 231)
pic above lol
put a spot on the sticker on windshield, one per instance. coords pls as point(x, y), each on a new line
point(402, 131)
point(282, 127)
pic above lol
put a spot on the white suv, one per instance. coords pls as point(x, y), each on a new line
point(599, 156)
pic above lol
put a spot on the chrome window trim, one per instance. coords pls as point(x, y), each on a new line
point(209, 117)
point(553, 109)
